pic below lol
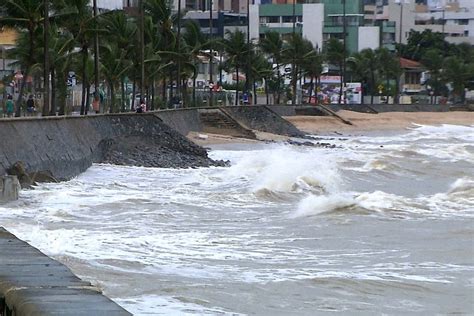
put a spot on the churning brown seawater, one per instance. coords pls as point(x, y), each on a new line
point(380, 225)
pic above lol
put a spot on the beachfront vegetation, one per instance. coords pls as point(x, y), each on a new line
point(170, 52)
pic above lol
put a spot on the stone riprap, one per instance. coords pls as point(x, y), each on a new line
point(64, 147)
point(31, 283)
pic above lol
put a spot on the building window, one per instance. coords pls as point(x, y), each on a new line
point(463, 21)
point(287, 19)
point(269, 19)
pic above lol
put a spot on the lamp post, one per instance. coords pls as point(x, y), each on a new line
point(344, 30)
point(400, 2)
point(46, 59)
point(178, 48)
point(211, 53)
point(247, 76)
point(96, 59)
point(142, 50)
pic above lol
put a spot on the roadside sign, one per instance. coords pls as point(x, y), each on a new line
point(71, 79)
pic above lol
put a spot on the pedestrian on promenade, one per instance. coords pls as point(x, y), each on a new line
point(140, 107)
point(30, 106)
point(9, 106)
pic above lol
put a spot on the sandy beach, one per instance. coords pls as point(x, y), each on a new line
point(361, 122)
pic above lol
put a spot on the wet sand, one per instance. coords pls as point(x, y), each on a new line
point(361, 122)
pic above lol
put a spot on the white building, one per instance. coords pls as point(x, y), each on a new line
point(110, 4)
point(453, 18)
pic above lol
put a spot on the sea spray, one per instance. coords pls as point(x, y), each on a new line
point(285, 169)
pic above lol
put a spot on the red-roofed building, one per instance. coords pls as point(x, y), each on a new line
point(411, 77)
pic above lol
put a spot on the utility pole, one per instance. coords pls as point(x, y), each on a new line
point(211, 55)
point(46, 60)
point(294, 17)
point(142, 50)
point(444, 21)
point(219, 5)
point(178, 46)
point(401, 23)
point(247, 76)
point(400, 50)
point(293, 63)
point(344, 30)
point(96, 59)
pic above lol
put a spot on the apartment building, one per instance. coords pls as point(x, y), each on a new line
point(317, 21)
point(453, 18)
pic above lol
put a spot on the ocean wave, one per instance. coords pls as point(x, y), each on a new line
point(457, 201)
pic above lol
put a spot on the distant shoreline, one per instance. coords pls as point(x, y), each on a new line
point(361, 123)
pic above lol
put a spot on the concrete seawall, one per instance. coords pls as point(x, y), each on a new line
point(31, 283)
point(260, 118)
point(67, 146)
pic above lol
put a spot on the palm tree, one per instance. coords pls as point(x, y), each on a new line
point(61, 45)
point(335, 55)
point(114, 63)
point(457, 73)
point(161, 15)
point(236, 49)
point(313, 68)
point(26, 16)
point(259, 69)
point(364, 65)
point(433, 61)
point(296, 52)
point(120, 29)
point(195, 43)
point(81, 25)
point(272, 45)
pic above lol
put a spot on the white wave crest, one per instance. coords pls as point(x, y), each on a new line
point(314, 205)
point(286, 170)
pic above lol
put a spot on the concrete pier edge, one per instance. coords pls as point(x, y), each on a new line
point(32, 283)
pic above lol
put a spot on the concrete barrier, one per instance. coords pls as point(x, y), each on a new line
point(31, 283)
point(182, 120)
point(67, 146)
point(262, 118)
point(9, 188)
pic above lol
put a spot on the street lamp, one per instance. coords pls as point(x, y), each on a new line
point(211, 83)
point(400, 2)
point(46, 59)
point(96, 59)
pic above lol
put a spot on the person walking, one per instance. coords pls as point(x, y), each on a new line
point(9, 106)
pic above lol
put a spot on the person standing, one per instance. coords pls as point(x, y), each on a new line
point(9, 106)
point(30, 106)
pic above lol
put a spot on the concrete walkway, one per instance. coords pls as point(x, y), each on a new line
point(31, 283)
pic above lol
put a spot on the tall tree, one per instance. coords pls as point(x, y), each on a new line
point(365, 66)
point(296, 52)
point(457, 74)
point(82, 26)
point(272, 45)
point(335, 55)
point(236, 50)
point(26, 16)
point(433, 61)
point(313, 67)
